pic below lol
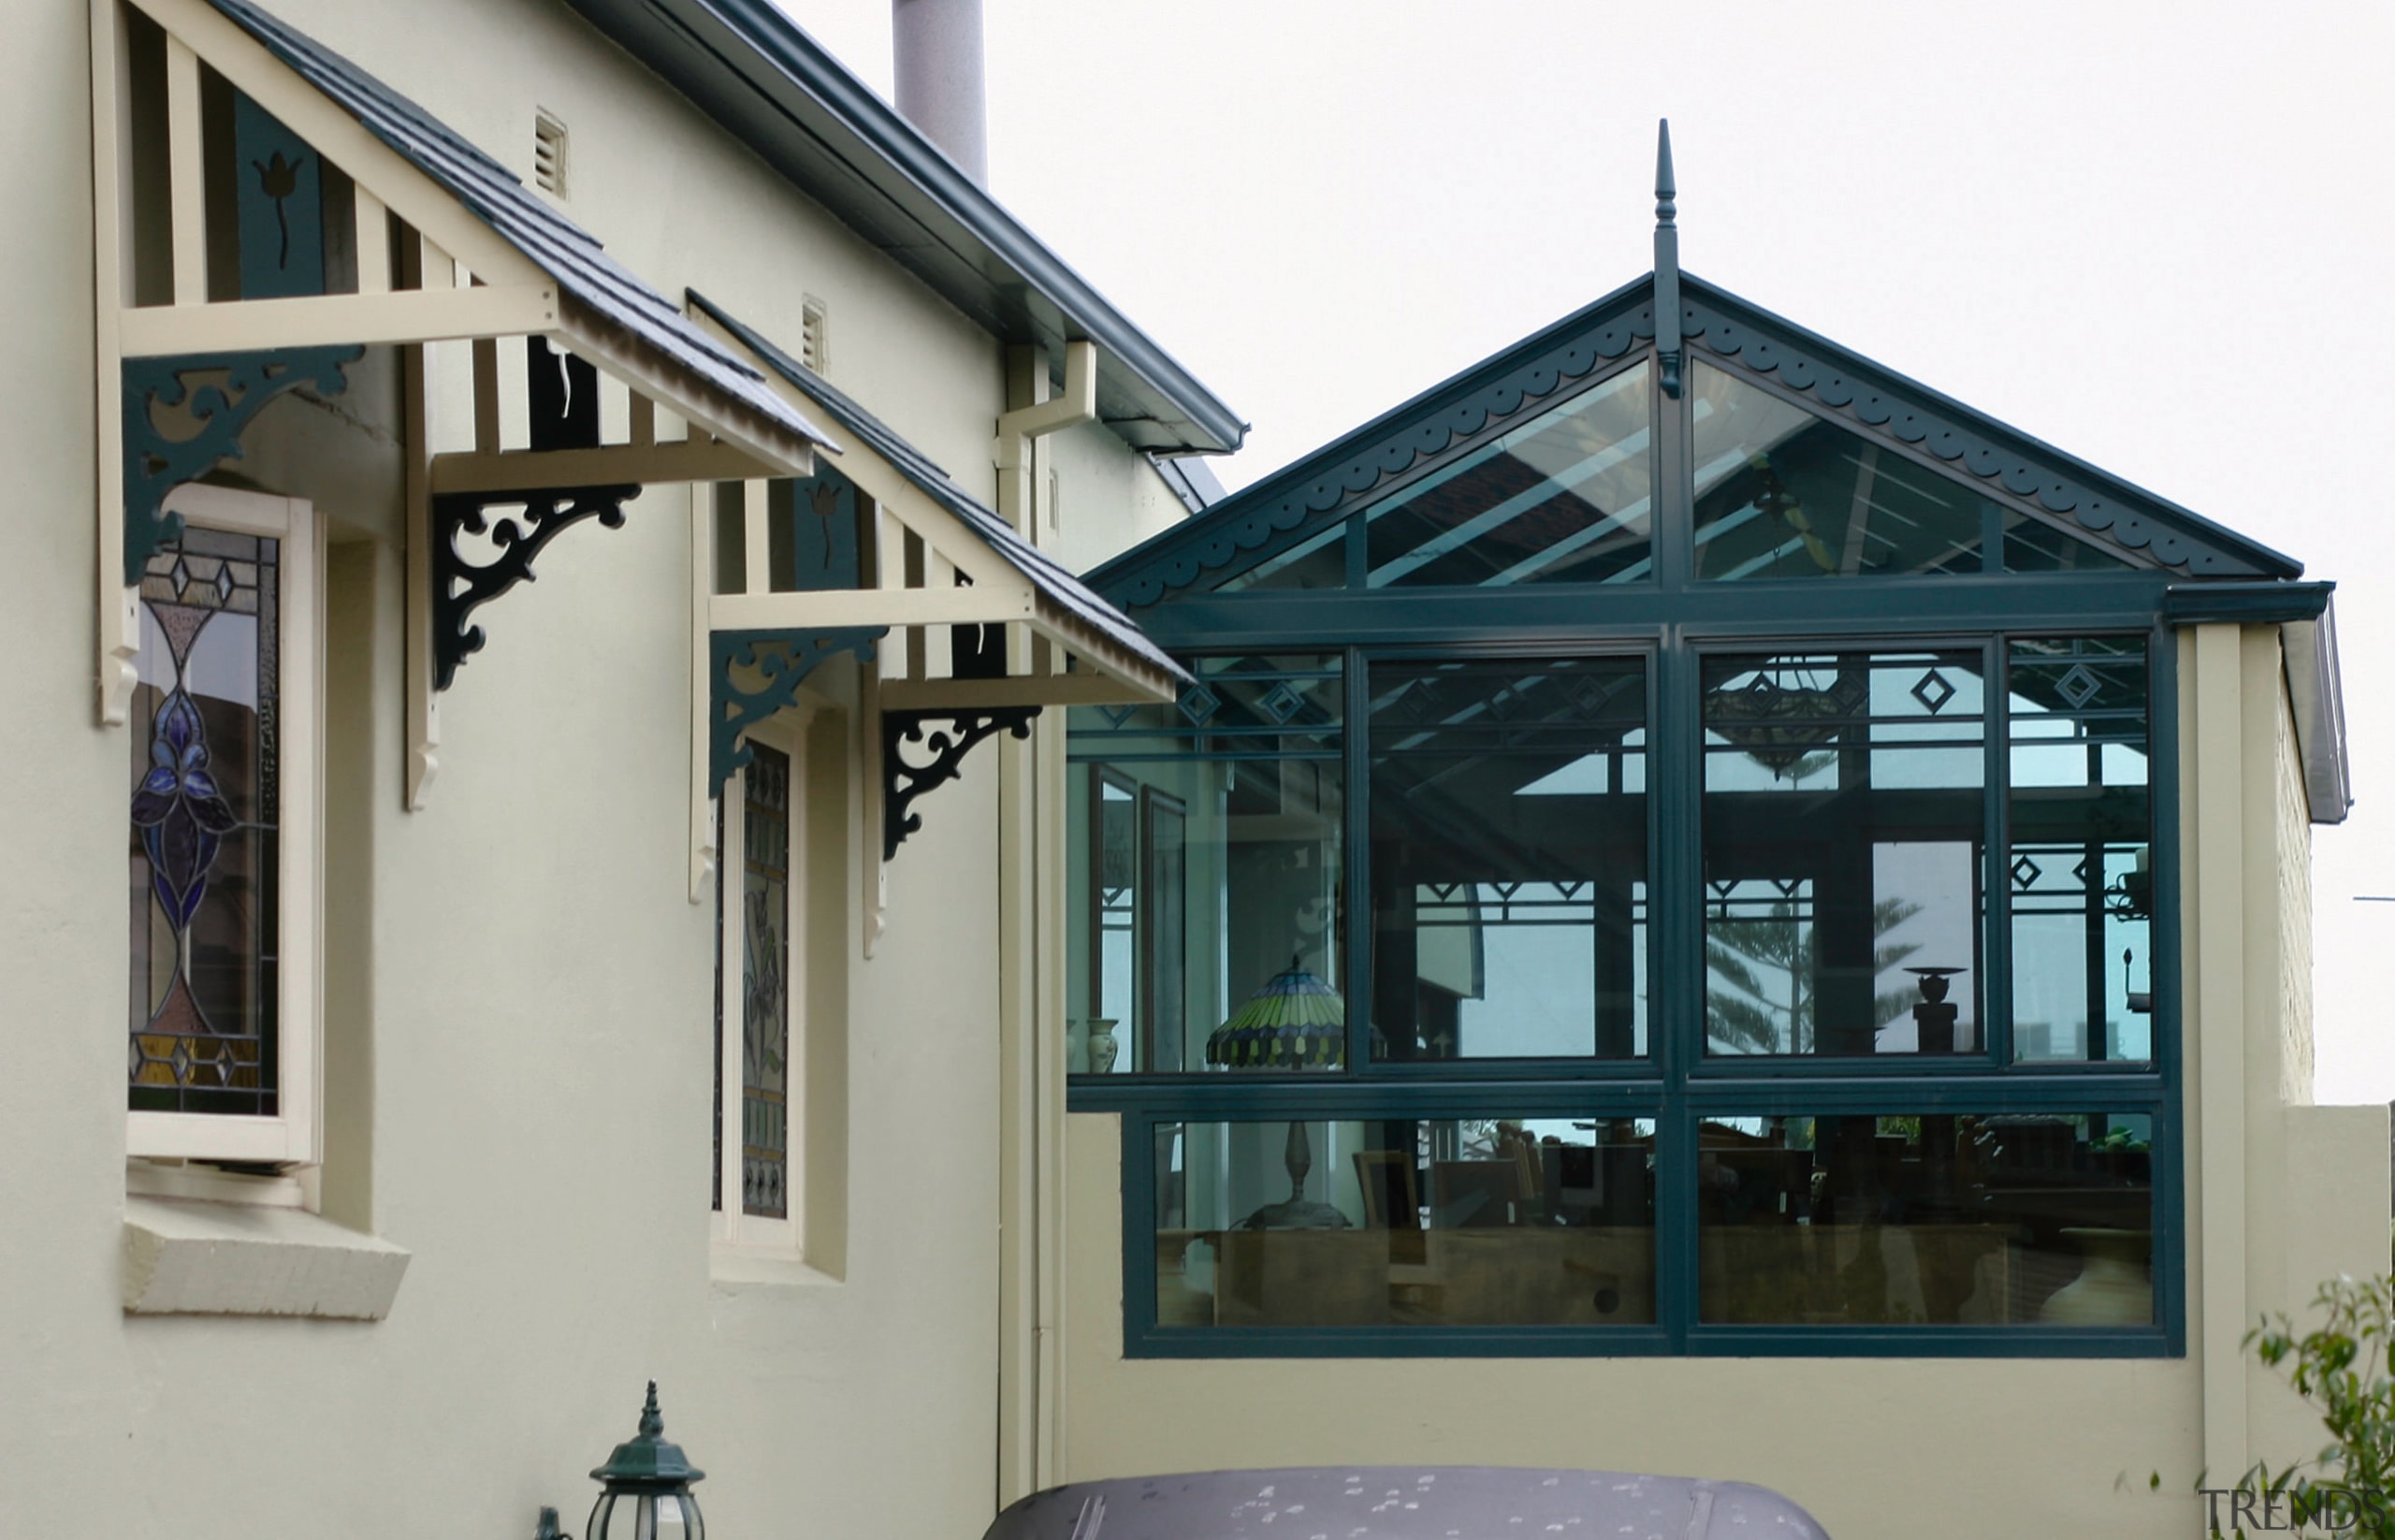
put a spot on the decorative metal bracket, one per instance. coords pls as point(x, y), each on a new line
point(785, 659)
point(155, 464)
point(460, 586)
point(902, 782)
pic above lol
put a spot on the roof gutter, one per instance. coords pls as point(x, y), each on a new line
point(2306, 617)
point(749, 68)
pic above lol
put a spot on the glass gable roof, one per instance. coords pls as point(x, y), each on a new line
point(1561, 464)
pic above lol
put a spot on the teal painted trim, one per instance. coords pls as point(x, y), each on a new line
point(2166, 747)
point(2246, 604)
point(279, 204)
point(155, 464)
point(1529, 619)
point(785, 659)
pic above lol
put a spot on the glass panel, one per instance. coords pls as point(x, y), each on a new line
point(1406, 1222)
point(2081, 854)
point(1205, 874)
point(1783, 493)
point(1509, 859)
point(1318, 561)
point(204, 804)
point(1563, 499)
point(2013, 1219)
point(765, 985)
point(1844, 826)
point(2032, 545)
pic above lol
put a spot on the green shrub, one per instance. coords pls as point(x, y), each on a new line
point(2340, 1367)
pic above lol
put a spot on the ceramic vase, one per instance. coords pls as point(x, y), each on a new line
point(1101, 1046)
point(2112, 1288)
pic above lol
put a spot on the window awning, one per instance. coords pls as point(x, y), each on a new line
point(1099, 655)
point(966, 622)
point(342, 215)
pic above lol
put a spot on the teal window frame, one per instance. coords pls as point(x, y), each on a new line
point(1673, 621)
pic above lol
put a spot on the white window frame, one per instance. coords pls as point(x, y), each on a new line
point(293, 1135)
point(734, 1232)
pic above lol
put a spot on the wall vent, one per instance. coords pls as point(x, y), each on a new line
point(814, 341)
point(548, 154)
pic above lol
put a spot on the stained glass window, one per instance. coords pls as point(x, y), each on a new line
point(203, 832)
point(765, 985)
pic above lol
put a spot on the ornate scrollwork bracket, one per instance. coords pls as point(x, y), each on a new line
point(460, 586)
point(945, 748)
point(783, 659)
point(219, 394)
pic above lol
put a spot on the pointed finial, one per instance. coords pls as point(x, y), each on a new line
point(1665, 211)
point(652, 1421)
point(1667, 264)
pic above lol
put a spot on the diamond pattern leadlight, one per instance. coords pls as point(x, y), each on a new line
point(2078, 686)
point(1933, 691)
point(1200, 705)
point(1280, 703)
point(202, 828)
point(2025, 873)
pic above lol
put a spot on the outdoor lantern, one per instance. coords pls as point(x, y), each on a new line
point(646, 1487)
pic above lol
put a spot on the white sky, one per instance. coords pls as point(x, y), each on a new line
point(2157, 236)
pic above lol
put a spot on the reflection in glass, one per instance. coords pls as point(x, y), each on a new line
point(202, 836)
point(1565, 498)
point(1509, 859)
point(2011, 1219)
point(2081, 856)
point(1318, 561)
point(1783, 493)
point(1205, 855)
point(1843, 829)
point(1406, 1222)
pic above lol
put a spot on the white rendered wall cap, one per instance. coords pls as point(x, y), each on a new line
point(191, 1258)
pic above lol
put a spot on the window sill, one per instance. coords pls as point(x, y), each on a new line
point(731, 1267)
point(187, 1257)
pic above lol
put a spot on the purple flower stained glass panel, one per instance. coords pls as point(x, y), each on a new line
point(202, 828)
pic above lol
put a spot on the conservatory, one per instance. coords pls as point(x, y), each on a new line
point(1674, 846)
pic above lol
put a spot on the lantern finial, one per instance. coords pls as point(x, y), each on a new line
point(652, 1421)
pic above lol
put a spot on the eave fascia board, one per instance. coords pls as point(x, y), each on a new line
point(736, 46)
point(2272, 562)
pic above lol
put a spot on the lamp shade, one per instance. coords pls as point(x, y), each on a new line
point(1294, 1022)
point(646, 1493)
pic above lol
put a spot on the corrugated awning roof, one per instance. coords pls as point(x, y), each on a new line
point(583, 270)
point(1054, 582)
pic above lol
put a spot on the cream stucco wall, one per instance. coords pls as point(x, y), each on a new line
point(2280, 1195)
point(518, 991)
